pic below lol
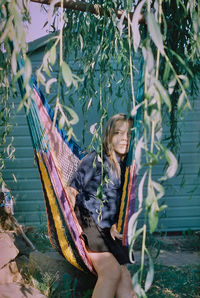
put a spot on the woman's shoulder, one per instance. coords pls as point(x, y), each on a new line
point(90, 155)
point(89, 158)
point(95, 159)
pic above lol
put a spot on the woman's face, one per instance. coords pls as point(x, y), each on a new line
point(121, 137)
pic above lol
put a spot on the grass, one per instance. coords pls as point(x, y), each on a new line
point(174, 281)
point(170, 281)
point(39, 237)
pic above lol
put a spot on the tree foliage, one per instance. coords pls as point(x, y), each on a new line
point(102, 47)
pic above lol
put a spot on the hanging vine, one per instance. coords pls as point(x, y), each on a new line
point(99, 43)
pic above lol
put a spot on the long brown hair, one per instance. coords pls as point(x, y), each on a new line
point(107, 140)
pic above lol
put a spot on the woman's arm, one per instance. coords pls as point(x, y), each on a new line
point(71, 195)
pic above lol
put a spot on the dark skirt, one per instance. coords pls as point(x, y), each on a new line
point(98, 239)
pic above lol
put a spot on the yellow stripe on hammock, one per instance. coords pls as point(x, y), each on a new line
point(119, 224)
point(65, 247)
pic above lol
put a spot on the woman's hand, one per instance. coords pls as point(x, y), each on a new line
point(114, 233)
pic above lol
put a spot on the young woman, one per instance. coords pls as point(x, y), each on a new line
point(97, 188)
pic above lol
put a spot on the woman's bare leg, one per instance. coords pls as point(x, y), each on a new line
point(109, 273)
point(125, 288)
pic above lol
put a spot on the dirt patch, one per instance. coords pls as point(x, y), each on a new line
point(172, 250)
point(180, 242)
point(171, 242)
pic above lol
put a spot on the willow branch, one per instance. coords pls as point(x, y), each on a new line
point(95, 9)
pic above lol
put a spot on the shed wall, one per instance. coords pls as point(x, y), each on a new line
point(182, 192)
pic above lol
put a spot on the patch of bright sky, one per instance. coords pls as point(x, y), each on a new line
point(36, 28)
point(39, 16)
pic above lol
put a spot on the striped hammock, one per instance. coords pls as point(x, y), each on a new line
point(57, 160)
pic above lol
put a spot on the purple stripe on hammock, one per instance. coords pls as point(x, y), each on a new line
point(132, 195)
point(65, 207)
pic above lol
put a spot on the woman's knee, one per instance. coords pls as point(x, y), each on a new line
point(107, 266)
point(126, 276)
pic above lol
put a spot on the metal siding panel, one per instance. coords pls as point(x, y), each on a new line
point(22, 177)
point(183, 202)
point(183, 205)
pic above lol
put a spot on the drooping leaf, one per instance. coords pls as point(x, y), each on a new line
point(61, 122)
point(132, 225)
point(173, 164)
point(140, 190)
point(49, 83)
point(172, 85)
point(150, 273)
point(159, 188)
point(153, 216)
point(14, 62)
point(186, 81)
point(74, 117)
point(135, 25)
point(67, 74)
point(181, 100)
point(137, 287)
point(163, 93)
point(52, 55)
point(138, 152)
point(93, 128)
point(51, 9)
point(27, 71)
point(155, 33)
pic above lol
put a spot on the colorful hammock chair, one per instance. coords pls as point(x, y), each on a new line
point(57, 159)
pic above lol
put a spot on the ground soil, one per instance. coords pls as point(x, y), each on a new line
point(175, 249)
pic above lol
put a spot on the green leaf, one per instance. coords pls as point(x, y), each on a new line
point(135, 25)
point(153, 158)
point(61, 122)
point(140, 190)
point(150, 274)
point(51, 10)
point(173, 164)
point(137, 287)
point(45, 63)
point(67, 74)
point(14, 62)
point(180, 59)
point(186, 80)
point(153, 217)
point(52, 55)
point(93, 128)
point(27, 71)
point(162, 207)
point(40, 77)
point(159, 188)
point(138, 152)
point(74, 116)
point(172, 85)
point(155, 33)
point(69, 133)
point(181, 100)
point(166, 72)
point(49, 83)
point(163, 93)
point(133, 234)
point(81, 41)
point(150, 197)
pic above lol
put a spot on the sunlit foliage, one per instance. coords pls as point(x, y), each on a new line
point(164, 33)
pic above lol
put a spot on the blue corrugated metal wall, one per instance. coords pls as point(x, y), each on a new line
point(182, 193)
